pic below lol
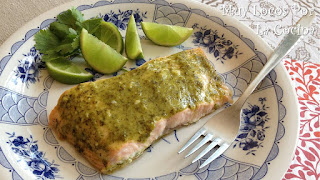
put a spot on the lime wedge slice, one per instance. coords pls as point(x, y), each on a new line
point(67, 72)
point(166, 35)
point(108, 33)
point(132, 43)
point(100, 56)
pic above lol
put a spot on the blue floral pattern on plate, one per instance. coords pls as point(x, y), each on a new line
point(222, 48)
point(121, 19)
point(252, 130)
point(139, 62)
point(28, 70)
point(96, 75)
point(28, 150)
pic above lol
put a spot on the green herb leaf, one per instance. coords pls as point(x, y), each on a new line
point(72, 34)
point(68, 46)
point(50, 57)
point(72, 18)
point(60, 30)
point(62, 38)
point(46, 41)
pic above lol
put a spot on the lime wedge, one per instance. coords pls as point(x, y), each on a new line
point(100, 56)
point(132, 43)
point(67, 72)
point(166, 35)
point(108, 33)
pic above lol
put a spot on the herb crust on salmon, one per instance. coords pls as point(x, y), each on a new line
point(112, 121)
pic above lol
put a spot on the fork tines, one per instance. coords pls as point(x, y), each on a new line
point(208, 137)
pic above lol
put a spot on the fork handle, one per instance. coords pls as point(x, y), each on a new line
point(283, 48)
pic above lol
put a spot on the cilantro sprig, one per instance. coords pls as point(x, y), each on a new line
point(62, 38)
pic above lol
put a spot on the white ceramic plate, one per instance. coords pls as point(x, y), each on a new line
point(263, 149)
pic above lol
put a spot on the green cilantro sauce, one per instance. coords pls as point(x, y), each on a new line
point(127, 106)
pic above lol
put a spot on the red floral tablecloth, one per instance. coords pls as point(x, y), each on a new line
point(306, 162)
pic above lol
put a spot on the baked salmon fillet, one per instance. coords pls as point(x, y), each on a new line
point(112, 121)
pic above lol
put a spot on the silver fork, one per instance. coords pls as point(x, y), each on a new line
point(223, 128)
